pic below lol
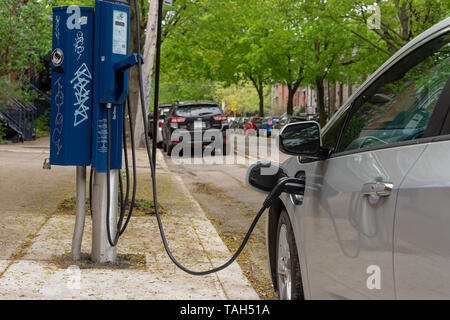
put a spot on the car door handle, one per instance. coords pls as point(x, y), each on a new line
point(379, 188)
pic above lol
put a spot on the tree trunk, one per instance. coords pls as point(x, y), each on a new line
point(320, 101)
point(147, 70)
point(261, 100)
point(290, 103)
point(259, 86)
point(332, 98)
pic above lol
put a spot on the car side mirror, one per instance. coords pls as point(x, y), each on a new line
point(301, 139)
point(263, 176)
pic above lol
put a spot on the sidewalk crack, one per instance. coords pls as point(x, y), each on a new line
point(21, 250)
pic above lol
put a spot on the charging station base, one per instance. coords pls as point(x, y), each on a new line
point(102, 251)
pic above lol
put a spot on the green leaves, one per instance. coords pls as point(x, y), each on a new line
point(292, 42)
point(25, 36)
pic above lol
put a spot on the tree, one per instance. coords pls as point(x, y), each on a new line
point(20, 48)
point(307, 50)
point(398, 21)
point(215, 44)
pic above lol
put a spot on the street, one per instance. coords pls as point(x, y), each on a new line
point(231, 206)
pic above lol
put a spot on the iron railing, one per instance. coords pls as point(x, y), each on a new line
point(20, 117)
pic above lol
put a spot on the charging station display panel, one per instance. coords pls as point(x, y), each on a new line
point(72, 79)
point(120, 32)
point(111, 45)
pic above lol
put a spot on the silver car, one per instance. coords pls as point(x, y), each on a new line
point(373, 221)
point(163, 111)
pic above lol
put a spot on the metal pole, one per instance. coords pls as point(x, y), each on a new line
point(157, 69)
point(81, 214)
point(102, 251)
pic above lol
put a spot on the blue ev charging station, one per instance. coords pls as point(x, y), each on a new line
point(90, 63)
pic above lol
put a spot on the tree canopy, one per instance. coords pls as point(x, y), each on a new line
point(212, 45)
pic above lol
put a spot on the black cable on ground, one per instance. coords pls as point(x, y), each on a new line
point(152, 168)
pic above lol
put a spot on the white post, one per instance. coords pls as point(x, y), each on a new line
point(80, 215)
point(102, 251)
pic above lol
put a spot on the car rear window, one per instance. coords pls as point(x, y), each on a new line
point(197, 111)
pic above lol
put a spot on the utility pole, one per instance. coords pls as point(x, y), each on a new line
point(151, 35)
point(158, 67)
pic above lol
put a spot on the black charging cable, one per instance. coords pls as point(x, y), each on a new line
point(123, 203)
point(133, 159)
point(290, 185)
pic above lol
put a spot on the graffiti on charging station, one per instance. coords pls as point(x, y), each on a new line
point(81, 82)
point(79, 44)
point(59, 119)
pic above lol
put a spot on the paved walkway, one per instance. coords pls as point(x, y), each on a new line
point(35, 239)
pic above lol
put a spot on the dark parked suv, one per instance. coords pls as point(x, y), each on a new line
point(194, 119)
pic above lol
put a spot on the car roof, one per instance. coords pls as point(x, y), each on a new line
point(431, 33)
point(194, 103)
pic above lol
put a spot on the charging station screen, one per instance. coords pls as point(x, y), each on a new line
point(120, 32)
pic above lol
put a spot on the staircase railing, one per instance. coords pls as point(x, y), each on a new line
point(21, 118)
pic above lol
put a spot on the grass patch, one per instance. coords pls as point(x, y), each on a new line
point(206, 188)
point(124, 261)
point(141, 207)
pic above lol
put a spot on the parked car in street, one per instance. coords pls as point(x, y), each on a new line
point(194, 119)
point(234, 124)
point(266, 126)
point(250, 126)
point(240, 124)
point(162, 109)
point(372, 221)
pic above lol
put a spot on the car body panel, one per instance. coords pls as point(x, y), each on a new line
point(422, 236)
point(350, 233)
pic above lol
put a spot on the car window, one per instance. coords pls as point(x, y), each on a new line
point(197, 111)
point(331, 136)
point(398, 106)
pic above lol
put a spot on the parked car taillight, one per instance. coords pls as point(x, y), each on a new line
point(177, 120)
point(160, 123)
point(220, 118)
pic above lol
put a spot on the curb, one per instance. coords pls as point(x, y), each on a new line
point(209, 237)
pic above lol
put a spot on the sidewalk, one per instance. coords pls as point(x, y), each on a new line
point(35, 240)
